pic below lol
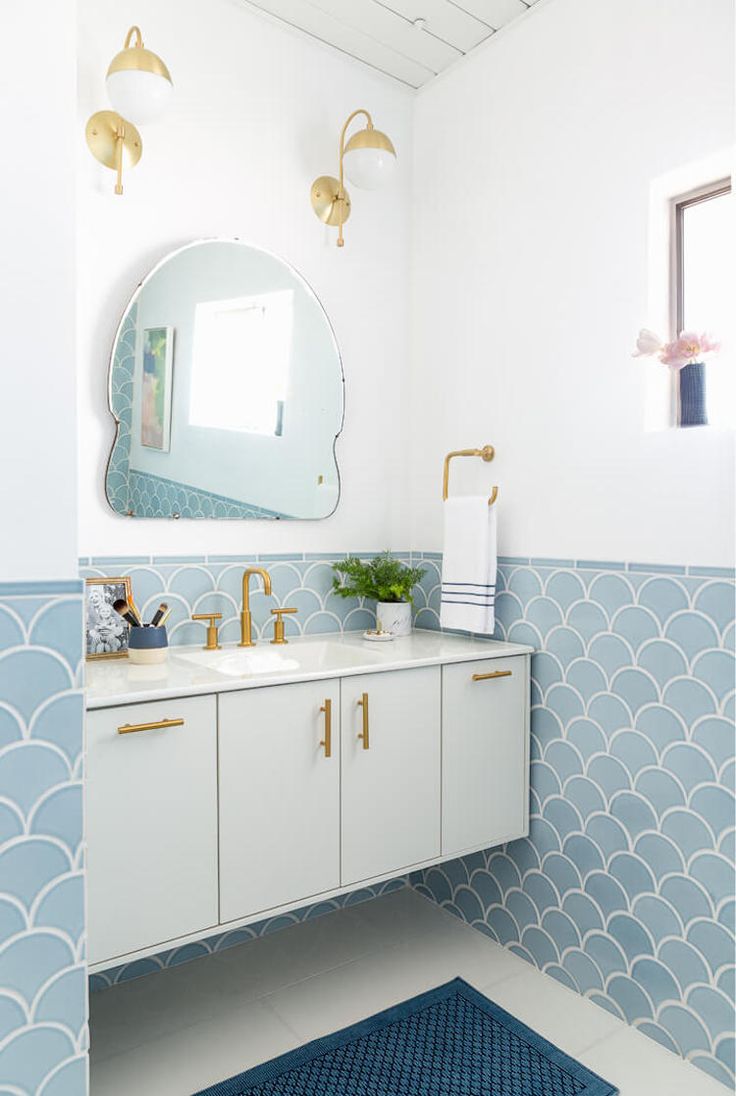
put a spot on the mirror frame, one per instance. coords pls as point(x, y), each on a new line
point(111, 362)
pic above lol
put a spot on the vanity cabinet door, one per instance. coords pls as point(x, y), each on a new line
point(391, 779)
point(279, 796)
point(151, 824)
point(485, 753)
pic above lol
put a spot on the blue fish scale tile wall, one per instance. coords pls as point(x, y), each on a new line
point(212, 584)
point(121, 400)
point(155, 497)
point(624, 889)
point(43, 1000)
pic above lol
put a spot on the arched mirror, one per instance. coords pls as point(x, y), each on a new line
point(227, 389)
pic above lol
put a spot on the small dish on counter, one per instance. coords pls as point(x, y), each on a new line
point(378, 636)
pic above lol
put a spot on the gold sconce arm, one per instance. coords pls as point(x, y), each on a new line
point(342, 196)
point(134, 32)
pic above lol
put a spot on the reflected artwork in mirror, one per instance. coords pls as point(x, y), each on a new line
point(227, 391)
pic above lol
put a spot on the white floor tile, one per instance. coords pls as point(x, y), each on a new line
point(337, 998)
point(405, 914)
point(193, 1058)
point(147, 1008)
point(641, 1067)
point(256, 968)
point(173, 1033)
point(553, 1011)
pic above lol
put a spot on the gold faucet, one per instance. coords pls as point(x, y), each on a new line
point(246, 627)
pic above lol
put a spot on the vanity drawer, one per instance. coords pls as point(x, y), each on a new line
point(151, 824)
point(485, 742)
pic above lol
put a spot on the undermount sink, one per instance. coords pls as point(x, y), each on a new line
point(294, 657)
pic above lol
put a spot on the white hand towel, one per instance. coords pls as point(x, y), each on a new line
point(469, 565)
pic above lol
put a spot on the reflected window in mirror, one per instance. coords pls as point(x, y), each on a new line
point(242, 352)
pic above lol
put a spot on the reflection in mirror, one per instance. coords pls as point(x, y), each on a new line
point(227, 389)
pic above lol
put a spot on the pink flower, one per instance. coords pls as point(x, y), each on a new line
point(708, 345)
point(689, 347)
point(674, 354)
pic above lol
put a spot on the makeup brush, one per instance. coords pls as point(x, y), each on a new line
point(164, 618)
point(158, 615)
point(135, 610)
point(122, 607)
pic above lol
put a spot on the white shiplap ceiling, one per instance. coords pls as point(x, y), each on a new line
point(411, 40)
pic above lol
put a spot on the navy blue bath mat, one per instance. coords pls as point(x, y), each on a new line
point(451, 1041)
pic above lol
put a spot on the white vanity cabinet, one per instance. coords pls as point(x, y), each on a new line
point(274, 790)
point(279, 771)
point(484, 753)
point(390, 771)
point(151, 819)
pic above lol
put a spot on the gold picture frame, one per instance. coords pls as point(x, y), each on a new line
point(105, 632)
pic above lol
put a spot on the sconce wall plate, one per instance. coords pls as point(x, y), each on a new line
point(104, 131)
point(326, 202)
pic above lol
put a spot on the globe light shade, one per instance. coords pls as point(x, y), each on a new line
point(138, 84)
point(369, 159)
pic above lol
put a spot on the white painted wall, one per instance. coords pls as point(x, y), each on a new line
point(535, 162)
point(255, 118)
point(37, 403)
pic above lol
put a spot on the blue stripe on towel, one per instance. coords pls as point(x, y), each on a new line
point(478, 598)
point(468, 593)
point(482, 585)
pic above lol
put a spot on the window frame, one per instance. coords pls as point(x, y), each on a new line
point(679, 206)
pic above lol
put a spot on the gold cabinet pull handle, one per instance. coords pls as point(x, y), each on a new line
point(327, 740)
point(159, 725)
point(365, 733)
point(496, 673)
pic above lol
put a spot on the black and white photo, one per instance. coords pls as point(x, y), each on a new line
point(106, 633)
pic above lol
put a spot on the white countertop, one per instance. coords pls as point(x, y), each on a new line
point(190, 671)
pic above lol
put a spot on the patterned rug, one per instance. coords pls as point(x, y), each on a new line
point(451, 1041)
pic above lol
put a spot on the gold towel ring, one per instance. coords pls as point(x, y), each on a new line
point(487, 453)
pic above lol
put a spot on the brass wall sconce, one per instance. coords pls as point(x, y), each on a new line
point(139, 85)
point(368, 159)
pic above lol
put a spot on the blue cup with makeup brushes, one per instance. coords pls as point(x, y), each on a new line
point(148, 645)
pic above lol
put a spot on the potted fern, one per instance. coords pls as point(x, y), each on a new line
point(385, 580)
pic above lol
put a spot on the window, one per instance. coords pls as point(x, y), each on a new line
point(703, 297)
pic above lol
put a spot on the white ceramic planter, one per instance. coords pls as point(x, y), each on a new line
point(394, 616)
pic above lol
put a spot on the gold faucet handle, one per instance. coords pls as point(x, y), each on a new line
point(213, 638)
point(279, 636)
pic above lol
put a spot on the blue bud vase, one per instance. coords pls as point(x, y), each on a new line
point(692, 395)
